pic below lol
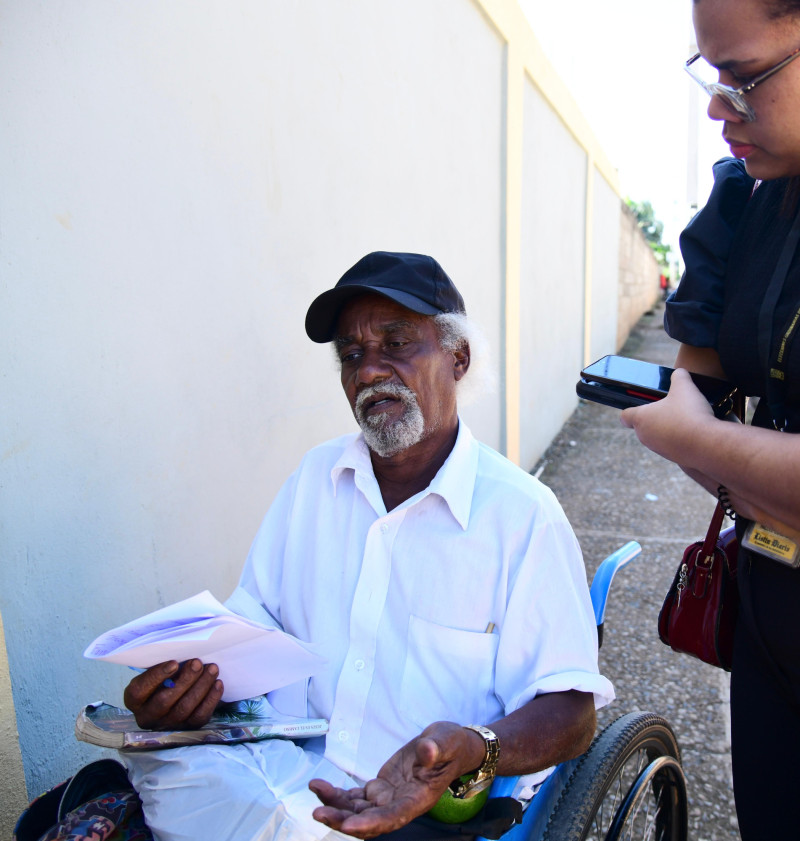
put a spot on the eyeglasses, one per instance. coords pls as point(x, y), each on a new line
point(704, 72)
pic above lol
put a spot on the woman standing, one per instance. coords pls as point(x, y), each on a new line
point(736, 314)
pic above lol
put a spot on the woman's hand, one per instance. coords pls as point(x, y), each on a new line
point(671, 426)
point(758, 467)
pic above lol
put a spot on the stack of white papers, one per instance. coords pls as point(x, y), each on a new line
point(252, 658)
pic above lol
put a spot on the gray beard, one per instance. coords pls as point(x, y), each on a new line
point(387, 438)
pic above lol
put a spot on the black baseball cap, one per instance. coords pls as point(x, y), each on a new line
point(415, 281)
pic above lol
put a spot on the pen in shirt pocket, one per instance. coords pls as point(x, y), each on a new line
point(490, 628)
point(167, 684)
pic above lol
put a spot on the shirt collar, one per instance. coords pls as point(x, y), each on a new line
point(454, 482)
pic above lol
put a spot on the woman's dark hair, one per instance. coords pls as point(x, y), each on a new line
point(783, 8)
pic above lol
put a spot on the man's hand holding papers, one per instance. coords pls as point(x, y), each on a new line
point(171, 696)
point(197, 653)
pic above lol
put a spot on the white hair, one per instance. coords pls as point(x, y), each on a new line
point(456, 331)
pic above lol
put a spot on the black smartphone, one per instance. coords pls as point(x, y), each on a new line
point(621, 382)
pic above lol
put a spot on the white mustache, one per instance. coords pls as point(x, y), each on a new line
point(403, 392)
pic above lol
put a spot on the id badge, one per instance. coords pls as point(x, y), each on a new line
point(771, 544)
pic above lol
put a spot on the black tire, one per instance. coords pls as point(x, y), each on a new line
point(628, 785)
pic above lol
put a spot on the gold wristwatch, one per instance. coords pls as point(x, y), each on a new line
point(483, 777)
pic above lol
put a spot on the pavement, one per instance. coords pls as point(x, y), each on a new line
point(614, 490)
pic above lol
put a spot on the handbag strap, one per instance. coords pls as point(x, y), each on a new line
point(715, 526)
point(712, 535)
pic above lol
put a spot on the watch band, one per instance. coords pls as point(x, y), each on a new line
point(485, 774)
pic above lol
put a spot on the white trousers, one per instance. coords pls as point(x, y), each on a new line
point(257, 791)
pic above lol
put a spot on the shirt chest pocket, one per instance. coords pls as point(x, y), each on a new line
point(448, 675)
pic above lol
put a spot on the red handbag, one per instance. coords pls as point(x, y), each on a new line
point(699, 614)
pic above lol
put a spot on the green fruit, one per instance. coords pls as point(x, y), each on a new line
point(452, 809)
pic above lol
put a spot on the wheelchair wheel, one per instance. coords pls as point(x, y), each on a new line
point(628, 786)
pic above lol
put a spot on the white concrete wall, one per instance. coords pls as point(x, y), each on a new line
point(180, 178)
point(604, 289)
point(553, 260)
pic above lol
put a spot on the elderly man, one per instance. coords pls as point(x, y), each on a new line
point(442, 584)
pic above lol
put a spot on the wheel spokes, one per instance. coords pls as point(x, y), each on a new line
point(638, 797)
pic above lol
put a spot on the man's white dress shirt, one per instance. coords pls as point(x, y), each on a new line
point(462, 604)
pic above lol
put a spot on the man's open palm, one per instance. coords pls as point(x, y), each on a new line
point(407, 786)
